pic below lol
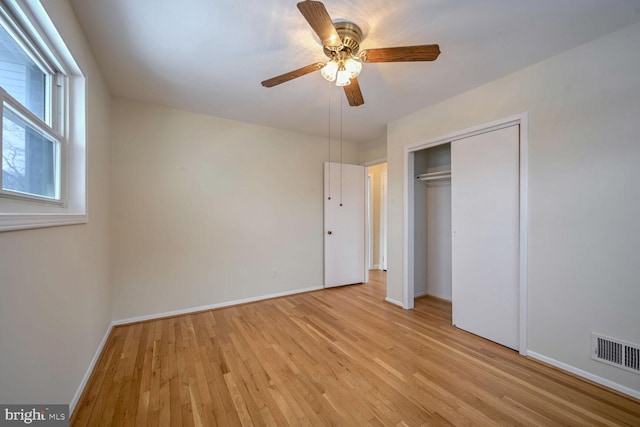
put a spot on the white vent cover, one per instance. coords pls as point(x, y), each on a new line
point(615, 352)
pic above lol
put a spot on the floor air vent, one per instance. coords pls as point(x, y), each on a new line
point(616, 352)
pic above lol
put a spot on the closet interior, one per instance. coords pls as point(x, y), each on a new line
point(432, 222)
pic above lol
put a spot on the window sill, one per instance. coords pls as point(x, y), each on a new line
point(9, 222)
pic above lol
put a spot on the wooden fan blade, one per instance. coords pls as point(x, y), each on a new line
point(292, 75)
point(354, 95)
point(425, 52)
point(317, 16)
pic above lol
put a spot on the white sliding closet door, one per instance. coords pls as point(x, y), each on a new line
point(485, 231)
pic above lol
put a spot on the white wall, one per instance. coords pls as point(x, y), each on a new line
point(438, 261)
point(373, 150)
point(584, 191)
point(204, 209)
point(432, 240)
point(56, 306)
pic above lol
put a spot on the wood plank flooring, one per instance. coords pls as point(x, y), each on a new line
point(339, 356)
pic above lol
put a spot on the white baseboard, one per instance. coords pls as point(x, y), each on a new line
point(393, 301)
point(584, 374)
point(212, 306)
point(87, 374)
point(376, 267)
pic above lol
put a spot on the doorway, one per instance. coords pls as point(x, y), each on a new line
point(377, 216)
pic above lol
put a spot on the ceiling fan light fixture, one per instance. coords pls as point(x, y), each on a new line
point(343, 77)
point(353, 66)
point(330, 70)
point(341, 44)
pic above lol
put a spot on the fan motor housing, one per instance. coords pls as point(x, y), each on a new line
point(351, 36)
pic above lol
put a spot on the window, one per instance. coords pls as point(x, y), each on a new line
point(31, 140)
point(43, 121)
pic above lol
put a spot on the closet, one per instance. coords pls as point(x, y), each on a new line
point(466, 230)
point(432, 203)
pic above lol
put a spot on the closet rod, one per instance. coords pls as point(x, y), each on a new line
point(432, 176)
point(442, 178)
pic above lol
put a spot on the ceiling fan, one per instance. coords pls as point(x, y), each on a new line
point(341, 44)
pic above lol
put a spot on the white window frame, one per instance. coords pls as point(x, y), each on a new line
point(65, 122)
point(21, 111)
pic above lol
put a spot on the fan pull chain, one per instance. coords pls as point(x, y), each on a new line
point(329, 198)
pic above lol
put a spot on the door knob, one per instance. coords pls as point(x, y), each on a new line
point(329, 232)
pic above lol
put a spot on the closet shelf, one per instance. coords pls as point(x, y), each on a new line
point(434, 176)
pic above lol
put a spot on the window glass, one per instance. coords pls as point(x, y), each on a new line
point(21, 77)
point(29, 157)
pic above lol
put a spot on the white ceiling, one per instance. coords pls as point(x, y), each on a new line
point(209, 56)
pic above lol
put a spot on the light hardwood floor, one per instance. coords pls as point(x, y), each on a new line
point(340, 356)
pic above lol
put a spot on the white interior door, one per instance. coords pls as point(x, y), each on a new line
point(485, 235)
point(344, 224)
